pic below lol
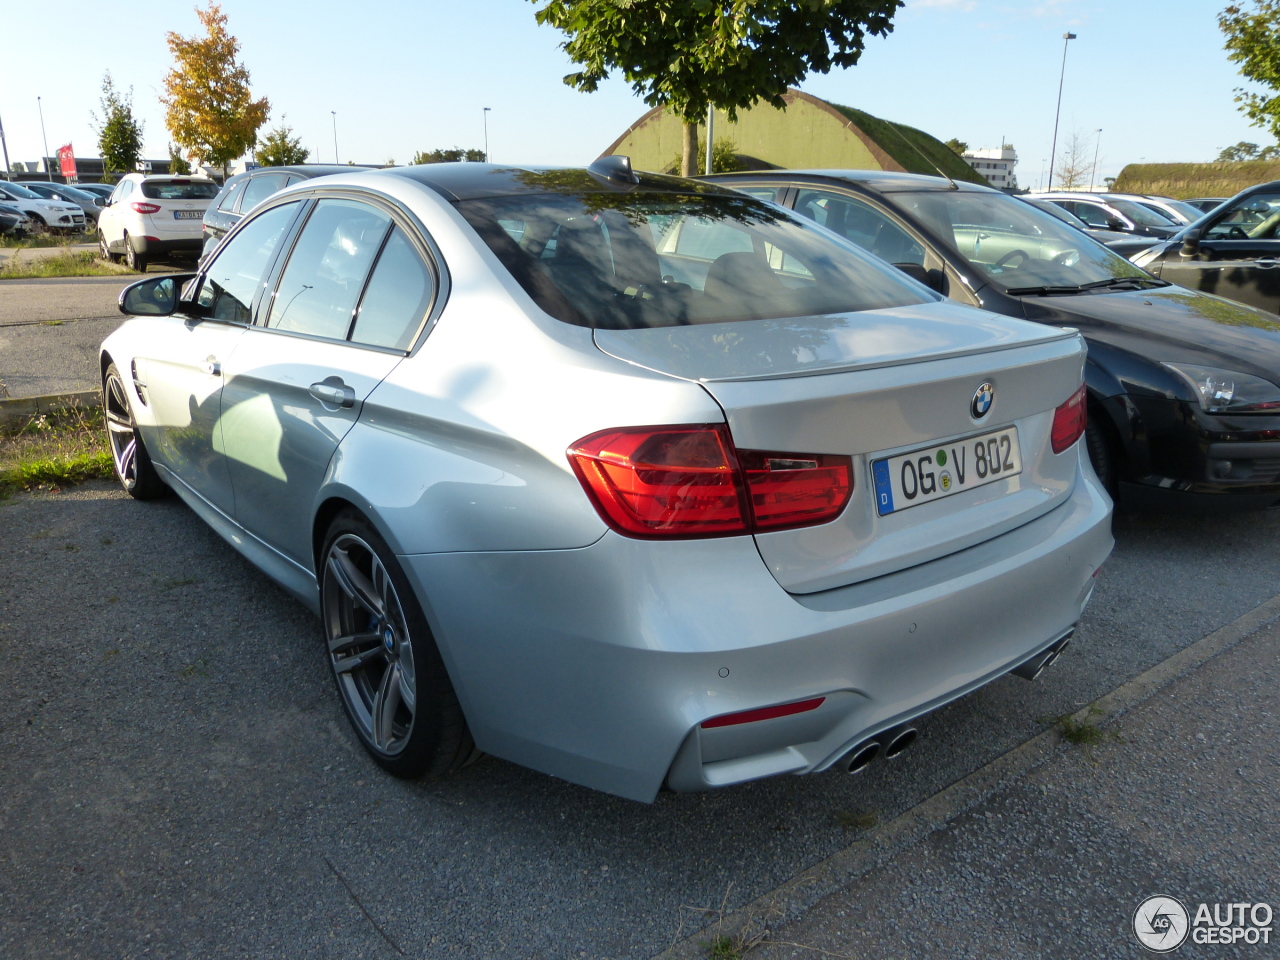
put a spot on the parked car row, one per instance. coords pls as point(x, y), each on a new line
point(42, 212)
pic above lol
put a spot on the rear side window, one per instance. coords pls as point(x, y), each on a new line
point(326, 272)
point(179, 189)
point(397, 297)
point(233, 278)
point(229, 201)
point(624, 260)
point(258, 189)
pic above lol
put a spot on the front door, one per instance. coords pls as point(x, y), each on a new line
point(1238, 256)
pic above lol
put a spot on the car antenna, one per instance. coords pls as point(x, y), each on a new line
point(927, 158)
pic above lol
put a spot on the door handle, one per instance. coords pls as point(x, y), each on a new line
point(212, 367)
point(337, 394)
point(1267, 263)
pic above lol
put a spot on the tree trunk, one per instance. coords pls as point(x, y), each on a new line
point(689, 150)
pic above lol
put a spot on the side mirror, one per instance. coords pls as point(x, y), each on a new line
point(1190, 243)
point(930, 278)
point(1114, 223)
point(151, 298)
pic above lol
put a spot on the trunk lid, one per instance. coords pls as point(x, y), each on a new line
point(872, 386)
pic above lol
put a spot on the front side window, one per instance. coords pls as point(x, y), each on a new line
point(861, 223)
point(233, 278)
point(1091, 213)
point(326, 272)
point(1014, 244)
point(658, 259)
point(1254, 218)
point(258, 189)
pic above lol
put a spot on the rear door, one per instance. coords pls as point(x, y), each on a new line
point(1238, 255)
point(344, 311)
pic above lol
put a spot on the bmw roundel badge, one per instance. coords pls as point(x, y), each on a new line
point(983, 398)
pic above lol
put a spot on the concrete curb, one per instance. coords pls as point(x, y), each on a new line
point(801, 892)
point(20, 407)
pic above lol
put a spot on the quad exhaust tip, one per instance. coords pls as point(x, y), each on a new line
point(901, 739)
point(860, 757)
point(1037, 664)
point(888, 744)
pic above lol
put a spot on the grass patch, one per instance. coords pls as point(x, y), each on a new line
point(42, 241)
point(1083, 733)
point(857, 820)
point(68, 263)
point(50, 451)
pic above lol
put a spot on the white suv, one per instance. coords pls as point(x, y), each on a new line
point(45, 214)
point(150, 216)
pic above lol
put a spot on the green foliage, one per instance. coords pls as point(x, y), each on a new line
point(958, 146)
point(177, 162)
point(1253, 41)
point(913, 150)
point(119, 132)
point(724, 157)
point(1186, 180)
point(456, 155)
point(1248, 151)
point(280, 148)
point(209, 109)
point(687, 55)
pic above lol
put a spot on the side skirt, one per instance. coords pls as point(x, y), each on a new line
point(294, 577)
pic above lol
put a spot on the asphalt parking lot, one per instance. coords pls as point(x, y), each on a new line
point(179, 779)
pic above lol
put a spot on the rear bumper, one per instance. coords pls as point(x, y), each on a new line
point(598, 665)
point(158, 248)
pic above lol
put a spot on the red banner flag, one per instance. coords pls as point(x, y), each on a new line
point(67, 161)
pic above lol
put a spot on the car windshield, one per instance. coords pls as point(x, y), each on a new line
point(1184, 208)
point(1014, 244)
point(648, 259)
point(179, 189)
point(1142, 216)
point(14, 190)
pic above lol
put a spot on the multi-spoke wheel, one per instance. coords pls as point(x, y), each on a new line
point(385, 661)
point(132, 463)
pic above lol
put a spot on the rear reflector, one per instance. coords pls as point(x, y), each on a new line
point(145, 207)
point(689, 481)
point(764, 713)
point(1069, 421)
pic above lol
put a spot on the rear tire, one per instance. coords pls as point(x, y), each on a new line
point(134, 259)
point(132, 463)
point(104, 249)
point(388, 669)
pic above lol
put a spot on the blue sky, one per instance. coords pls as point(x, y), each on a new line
point(404, 76)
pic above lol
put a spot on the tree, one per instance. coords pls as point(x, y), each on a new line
point(281, 148)
point(958, 146)
point(1248, 151)
point(1074, 163)
point(119, 133)
point(1253, 41)
point(177, 162)
point(688, 55)
point(456, 155)
point(210, 111)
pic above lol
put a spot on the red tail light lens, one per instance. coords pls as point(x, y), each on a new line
point(146, 207)
point(689, 481)
point(1069, 421)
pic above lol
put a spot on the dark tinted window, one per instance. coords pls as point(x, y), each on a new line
point(327, 269)
point(228, 202)
point(619, 260)
point(179, 189)
point(258, 189)
point(233, 277)
point(398, 295)
point(1256, 217)
point(862, 223)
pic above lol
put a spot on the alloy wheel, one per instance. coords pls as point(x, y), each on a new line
point(122, 432)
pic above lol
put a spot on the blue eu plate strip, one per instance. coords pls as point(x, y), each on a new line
point(884, 489)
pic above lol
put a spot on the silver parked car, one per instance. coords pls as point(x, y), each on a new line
point(629, 479)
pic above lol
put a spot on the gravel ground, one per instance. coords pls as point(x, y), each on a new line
point(1181, 804)
point(177, 778)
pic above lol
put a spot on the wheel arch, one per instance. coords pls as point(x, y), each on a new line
point(331, 503)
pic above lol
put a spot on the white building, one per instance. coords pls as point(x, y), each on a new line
point(996, 164)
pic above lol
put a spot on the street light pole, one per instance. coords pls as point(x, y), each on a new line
point(5, 145)
point(335, 136)
point(1053, 151)
point(45, 140)
point(486, 134)
point(1096, 148)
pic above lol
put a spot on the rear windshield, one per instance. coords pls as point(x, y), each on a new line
point(179, 189)
point(635, 260)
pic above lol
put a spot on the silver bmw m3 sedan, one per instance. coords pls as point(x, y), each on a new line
point(629, 479)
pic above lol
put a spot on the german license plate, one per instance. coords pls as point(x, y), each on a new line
point(944, 469)
point(188, 214)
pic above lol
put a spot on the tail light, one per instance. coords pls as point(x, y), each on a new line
point(1069, 421)
point(145, 207)
point(690, 481)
